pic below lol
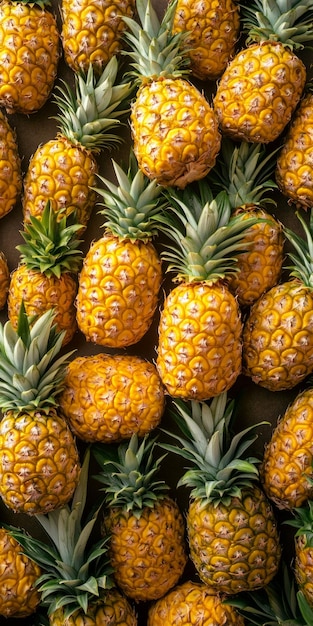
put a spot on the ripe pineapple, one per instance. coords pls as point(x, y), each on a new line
point(303, 522)
point(146, 529)
point(92, 32)
point(199, 347)
point(262, 85)
point(10, 172)
point(76, 584)
point(121, 276)
point(4, 279)
point(109, 397)
point(29, 54)
point(63, 170)
point(192, 604)
point(232, 532)
point(174, 128)
point(39, 462)
point(277, 335)
point(46, 275)
point(18, 576)
point(213, 29)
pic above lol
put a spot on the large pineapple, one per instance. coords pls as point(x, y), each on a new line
point(232, 531)
point(121, 276)
point(46, 276)
point(108, 397)
point(213, 29)
point(174, 129)
point(262, 85)
point(146, 529)
point(278, 332)
point(39, 462)
point(303, 568)
point(10, 173)
point(63, 170)
point(29, 54)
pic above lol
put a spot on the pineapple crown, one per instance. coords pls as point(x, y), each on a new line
point(51, 245)
point(72, 574)
point(287, 21)
point(128, 474)
point(95, 108)
point(131, 206)
point(30, 374)
point(303, 521)
point(302, 256)
point(218, 470)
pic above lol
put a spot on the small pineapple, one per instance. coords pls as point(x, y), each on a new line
point(278, 332)
point(29, 54)
point(63, 170)
point(107, 397)
point(303, 568)
point(10, 172)
point(4, 280)
point(39, 462)
point(174, 128)
point(232, 531)
point(263, 83)
point(46, 277)
point(146, 529)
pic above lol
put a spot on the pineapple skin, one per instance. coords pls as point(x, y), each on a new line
point(213, 29)
point(199, 348)
point(278, 337)
point(118, 291)
point(109, 397)
point(175, 132)
point(259, 91)
point(147, 552)
point(110, 608)
point(190, 604)
point(10, 173)
point(234, 548)
point(29, 55)
point(287, 463)
point(303, 568)
point(39, 462)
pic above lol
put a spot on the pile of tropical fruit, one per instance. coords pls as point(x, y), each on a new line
point(156, 335)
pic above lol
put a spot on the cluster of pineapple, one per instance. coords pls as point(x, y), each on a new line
point(85, 439)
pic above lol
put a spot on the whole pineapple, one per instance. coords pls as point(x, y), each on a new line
point(46, 276)
point(263, 83)
point(146, 529)
point(108, 397)
point(63, 170)
point(174, 129)
point(29, 54)
point(39, 462)
point(278, 332)
point(10, 173)
point(232, 531)
point(303, 569)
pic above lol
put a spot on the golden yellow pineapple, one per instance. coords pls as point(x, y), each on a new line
point(4, 279)
point(92, 32)
point(109, 397)
point(174, 128)
point(10, 173)
point(213, 29)
point(39, 462)
point(303, 568)
point(262, 85)
point(232, 531)
point(277, 335)
point(63, 170)
point(145, 526)
point(29, 54)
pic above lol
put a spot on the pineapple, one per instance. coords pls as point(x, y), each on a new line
point(199, 347)
point(29, 54)
point(232, 531)
point(278, 332)
point(192, 604)
point(146, 529)
point(92, 32)
point(63, 170)
point(121, 276)
point(213, 29)
point(262, 85)
point(76, 584)
point(18, 576)
point(108, 397)
point(303, 522)
point(39, 462)
point(46, 275)
point(4, 280)
point(174, 128)
point(10, 173)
